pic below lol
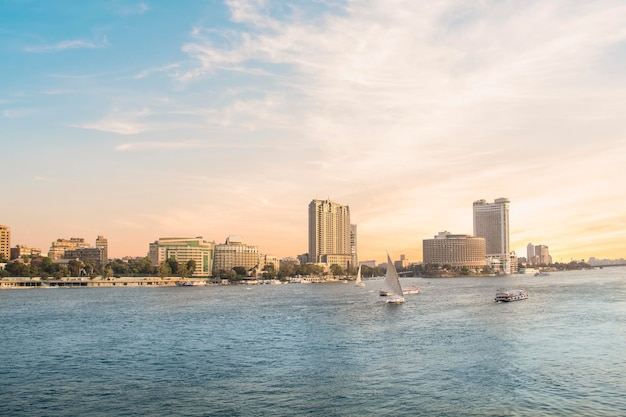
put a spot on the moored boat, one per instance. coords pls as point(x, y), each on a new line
point(411, 290)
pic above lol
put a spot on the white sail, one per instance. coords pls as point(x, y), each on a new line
point(359, 282)
point(392, 282)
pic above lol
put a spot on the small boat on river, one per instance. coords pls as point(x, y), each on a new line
point(393, 289)
point(504, 296)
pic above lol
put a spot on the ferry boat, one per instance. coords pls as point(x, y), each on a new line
point(504, 296)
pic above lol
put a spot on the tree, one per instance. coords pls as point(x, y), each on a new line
point(119, 267)
point(191, 266)
point(17, 269)
point(287, 269)
point(336, 270)
point(75, 266)
point(144, 266)
point(269, 271)
point(183, 271)
point(164, 269)
point(310, 269)
point(173, 265)
point(240, 271)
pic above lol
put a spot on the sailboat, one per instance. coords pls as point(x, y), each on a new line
point(392, 284)
point(359, 283)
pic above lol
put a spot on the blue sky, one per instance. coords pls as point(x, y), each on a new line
point(140, 120)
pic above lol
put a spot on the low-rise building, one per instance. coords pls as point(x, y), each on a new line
point(234, 253)
point(58, 248)
point(455, 250)
point(20, 250)
point(183, 250)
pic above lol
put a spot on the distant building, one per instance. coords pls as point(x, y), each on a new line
point(303, 258)
point(92, 255)
point(542, 255)
point(530, 254)
point(235, 253)
point(491, 222)
point(332, 239)
point(353, 247)
point(20, 250)
point(182, 250)
point(5, 242)
point(371, 263)
point(265, 260)
point(455, 250)
point(593, 261)
point(58, 248)
point(102, 244)
point(403, 263)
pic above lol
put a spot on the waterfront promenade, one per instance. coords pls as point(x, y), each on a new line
point(75, 282)
point(23, 283)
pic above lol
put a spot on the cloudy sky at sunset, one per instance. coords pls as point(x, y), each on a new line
point(144, 119)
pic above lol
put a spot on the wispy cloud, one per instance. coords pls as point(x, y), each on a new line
point(139, 146)
point(17, 113)
point(148, 72)
point(182, 145)
point(137, 9)
point(67, 45)
point(120, 122)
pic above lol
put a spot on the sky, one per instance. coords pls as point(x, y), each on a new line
point(145, 119)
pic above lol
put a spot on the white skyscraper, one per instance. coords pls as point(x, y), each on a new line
point(330, 233)
point(491, 221)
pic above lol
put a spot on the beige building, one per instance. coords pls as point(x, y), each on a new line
point(184, 250)
point(5, 242)
point(265, 260)
point(103, 245)
point(20, 250)
point(455, 250)
point(491, 221)
point(332, 239)
point(542, 255)
point(403, 263)
point(234, 253)
point(58, 248)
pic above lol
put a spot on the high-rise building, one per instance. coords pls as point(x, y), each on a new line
point(102, 244)
point(5, 242)
point(456, 250)
point(182, 250)
point(491, 221)
point(353, 251)
point(530, 254)
point(542, 255)
point(331, 234)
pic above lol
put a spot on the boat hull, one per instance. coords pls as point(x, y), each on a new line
point(508, 296)
point(394, 299)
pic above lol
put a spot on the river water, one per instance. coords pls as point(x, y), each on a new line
point(319, 349)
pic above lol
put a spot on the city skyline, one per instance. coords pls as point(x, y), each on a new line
point(139, 120)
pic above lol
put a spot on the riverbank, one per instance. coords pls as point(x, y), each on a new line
point(24, 283)
point(73, 282)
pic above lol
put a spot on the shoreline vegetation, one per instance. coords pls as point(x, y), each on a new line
point(421, 271)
